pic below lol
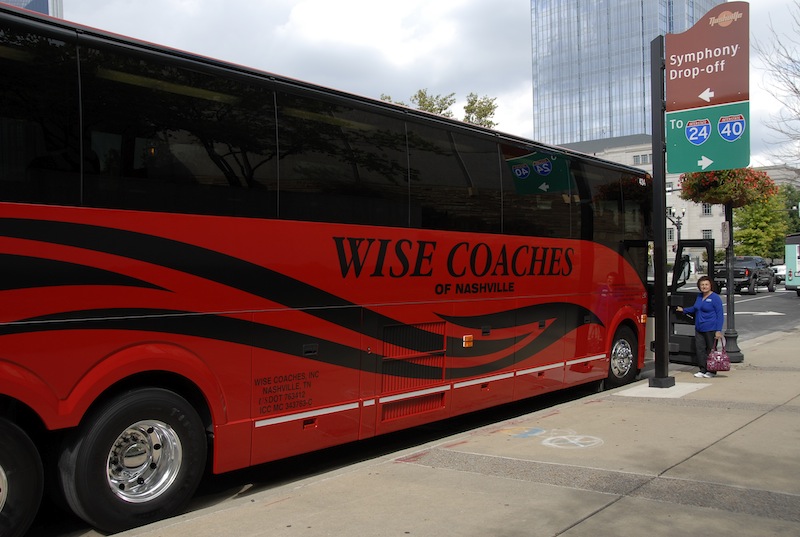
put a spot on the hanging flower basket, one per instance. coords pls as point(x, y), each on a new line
point(737, 187)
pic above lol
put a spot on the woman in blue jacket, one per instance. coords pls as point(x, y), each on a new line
point(708, 321)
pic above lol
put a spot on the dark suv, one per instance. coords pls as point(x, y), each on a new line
point(749, 272)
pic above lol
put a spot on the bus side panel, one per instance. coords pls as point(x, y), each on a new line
point(275, 439)
point(513, 337)
point(343, 324)
point(408, 355)
point(539, 352)
point(539, 380)
point(305, 390)
point(78, 365)
point(401, 411)
point(586, 358)
point(482, 392)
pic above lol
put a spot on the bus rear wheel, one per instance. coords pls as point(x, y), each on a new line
point(137, 459)
point(623, 363)
point(21, 480)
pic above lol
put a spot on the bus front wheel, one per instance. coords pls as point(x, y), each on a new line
point(21, 480)
point(137, 459)
point(622, 367)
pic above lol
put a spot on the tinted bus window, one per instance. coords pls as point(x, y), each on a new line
point(446, 192)
point(341, 164)
point(39, 124)
point(168, 137)
point(607, 222)
point(621, 203)
point(539, 193)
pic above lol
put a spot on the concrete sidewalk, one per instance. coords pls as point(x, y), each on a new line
point(706, 457)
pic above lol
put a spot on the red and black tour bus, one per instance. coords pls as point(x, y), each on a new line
point(205, 265)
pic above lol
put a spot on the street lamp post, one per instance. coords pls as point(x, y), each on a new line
point(676, 220)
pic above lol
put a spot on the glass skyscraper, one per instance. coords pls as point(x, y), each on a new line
point(48, 7)
point(591, 64)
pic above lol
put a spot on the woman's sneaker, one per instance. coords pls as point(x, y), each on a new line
point(710, 374)
point(700, 374)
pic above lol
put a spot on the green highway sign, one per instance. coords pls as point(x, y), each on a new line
point(541, 173)
point(707, 92)
point(708, 138)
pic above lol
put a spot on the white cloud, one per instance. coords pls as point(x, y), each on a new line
point(769, 19)
point(369, 47)
point(402, 35)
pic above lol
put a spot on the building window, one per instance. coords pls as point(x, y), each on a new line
point(708, 234)
point(637, 159)
point(668, 187)
point(706, 209)
point(670, 234)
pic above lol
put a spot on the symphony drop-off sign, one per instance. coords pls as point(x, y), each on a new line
point(707, 92)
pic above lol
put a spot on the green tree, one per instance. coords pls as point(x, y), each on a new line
point(388, 99)
point(760, 228)
point(480, 111)
point(435, 104)
point(422, 100)
point(792, 197)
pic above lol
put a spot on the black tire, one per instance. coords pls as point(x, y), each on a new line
point(624, 358)
point(771, 284)
point(137, 459)
point(752, 288)
point(21, 480)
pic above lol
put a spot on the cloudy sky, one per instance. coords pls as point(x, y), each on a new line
point(374, 47)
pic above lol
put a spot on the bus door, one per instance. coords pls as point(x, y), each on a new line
point(693, 258)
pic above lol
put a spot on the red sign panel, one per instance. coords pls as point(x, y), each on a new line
point(709, 63)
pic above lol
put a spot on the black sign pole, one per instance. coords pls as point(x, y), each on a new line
point(658, 107)
point(731, 335)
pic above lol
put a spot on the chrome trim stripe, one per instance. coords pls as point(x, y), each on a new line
point(409, 395)
point(587, 359)
point(473, 382)
point(309, 414)
point(540, 368)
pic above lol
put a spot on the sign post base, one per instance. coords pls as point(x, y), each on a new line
point(662, 382)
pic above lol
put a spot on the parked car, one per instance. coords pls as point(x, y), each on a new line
point(780, 273)
point(749, 272)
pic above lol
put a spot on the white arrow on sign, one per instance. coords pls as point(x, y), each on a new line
point(705, 162)
point(706, 95)
point(759, 313)
point(544, 186)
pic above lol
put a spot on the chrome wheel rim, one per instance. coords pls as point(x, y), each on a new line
point(621, 358)
point(144, 461)
point(3, 488)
